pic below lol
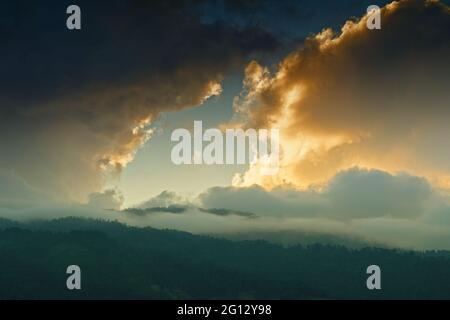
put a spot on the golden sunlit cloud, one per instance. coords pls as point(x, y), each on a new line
point(366, 98)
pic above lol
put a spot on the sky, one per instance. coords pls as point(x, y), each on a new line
point(86, 115)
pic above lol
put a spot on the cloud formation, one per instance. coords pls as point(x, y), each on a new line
point(369, 206)
point(357, 207)
point(353, 194)
point(74, 104)
point(355, 110)
point(360, 97)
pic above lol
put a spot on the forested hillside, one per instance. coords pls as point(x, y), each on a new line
point(124, 262)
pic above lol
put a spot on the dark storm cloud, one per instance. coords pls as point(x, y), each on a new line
point(74, 102)
point(290, 20)
point(120, 43)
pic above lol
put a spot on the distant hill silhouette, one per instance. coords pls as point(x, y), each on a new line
point(118, 261)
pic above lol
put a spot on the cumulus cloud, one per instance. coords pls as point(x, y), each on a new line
point(360, 97)
point(367, 194)
point(76, 104)
point(353, 194)
point(278, 202)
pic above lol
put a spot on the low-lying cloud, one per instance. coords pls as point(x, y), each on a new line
point(369, 205)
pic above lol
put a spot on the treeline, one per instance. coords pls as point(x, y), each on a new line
point(145, 263)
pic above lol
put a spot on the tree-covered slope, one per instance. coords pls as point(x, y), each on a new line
point(117, 261)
